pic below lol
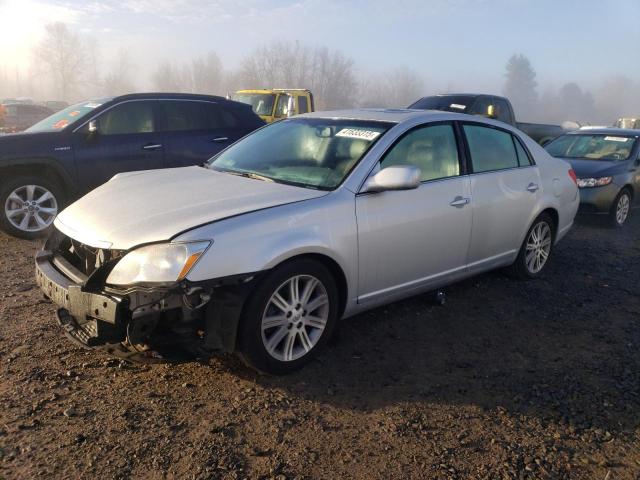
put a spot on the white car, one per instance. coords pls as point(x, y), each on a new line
point(303, 222)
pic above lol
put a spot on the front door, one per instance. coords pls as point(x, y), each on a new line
point(126, 140)
point(415, 239)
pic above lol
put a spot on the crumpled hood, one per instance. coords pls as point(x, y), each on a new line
point(141, 207)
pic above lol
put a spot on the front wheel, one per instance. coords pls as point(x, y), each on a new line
point(620, 210)
point(289, 317)
point(536, 249)
point(29, 206)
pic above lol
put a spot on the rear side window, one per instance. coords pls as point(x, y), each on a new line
point(219, 117)
point(184, 116)
point(432, 149)
point(523, 157)
point(303, 106)
point(129, 117)
point(490, 148)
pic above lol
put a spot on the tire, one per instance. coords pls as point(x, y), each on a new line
point(525, 266)
point(621, 209)
point(45, 195)
point(296, 335)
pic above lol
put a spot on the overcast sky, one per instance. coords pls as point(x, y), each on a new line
point(449, 42)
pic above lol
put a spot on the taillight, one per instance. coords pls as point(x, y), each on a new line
point(572, 174)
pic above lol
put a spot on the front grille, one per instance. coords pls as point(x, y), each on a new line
point(84, 258)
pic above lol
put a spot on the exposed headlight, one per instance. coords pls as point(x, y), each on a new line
point(594, 182)
point(160, 263)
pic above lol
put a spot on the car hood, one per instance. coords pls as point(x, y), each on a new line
point(595, 168)
point(142, 207)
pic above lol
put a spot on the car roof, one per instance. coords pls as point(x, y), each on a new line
point(393, 115)
point(607, 131)
point(169, 95)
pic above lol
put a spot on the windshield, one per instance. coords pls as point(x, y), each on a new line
point(262, 103)
point(448, 103)
point(592, 146)
point(60, 120)
point(309, 152)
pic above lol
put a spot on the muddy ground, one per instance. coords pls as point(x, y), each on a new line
point(509, 379)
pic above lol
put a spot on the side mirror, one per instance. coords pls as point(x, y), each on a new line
point(93, 127)
point(399, 177)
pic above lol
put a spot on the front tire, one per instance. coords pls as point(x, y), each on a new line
point(536, 249)
point(621, 209)
point(289, 317)
point(29, 206)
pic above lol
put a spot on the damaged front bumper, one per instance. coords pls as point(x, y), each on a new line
point(198, 319)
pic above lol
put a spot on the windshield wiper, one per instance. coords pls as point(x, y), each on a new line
point(255, 176)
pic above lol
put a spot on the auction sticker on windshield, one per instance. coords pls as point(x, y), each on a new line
point(358, 133)
point(617, 139)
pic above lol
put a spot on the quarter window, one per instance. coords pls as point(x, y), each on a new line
point(490, 148)
point(432, 149)
point(523, 158)
point(130, 117)
point(303, 106)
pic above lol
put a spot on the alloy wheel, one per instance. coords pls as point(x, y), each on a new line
point(31, 208)
point(622, 208)
point(295, 318)
point(538, 247)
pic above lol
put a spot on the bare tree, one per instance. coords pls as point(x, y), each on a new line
point(398, 89)
point(329, 74)
point(118, 81)
point(63, 57)
point(520, 86)
point(207, 75)
point(169, 77)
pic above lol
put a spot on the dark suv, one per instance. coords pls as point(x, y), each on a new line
point(81, 147)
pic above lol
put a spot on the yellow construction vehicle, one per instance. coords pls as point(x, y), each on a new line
point(276, 103)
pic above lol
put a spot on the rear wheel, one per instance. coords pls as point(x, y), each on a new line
point(289, 317)
point(536, 249)
point(621, 209)
point(29, 206)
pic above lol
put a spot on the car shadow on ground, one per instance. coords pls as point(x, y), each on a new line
point(562, 347)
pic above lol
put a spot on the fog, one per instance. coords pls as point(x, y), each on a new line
point(70, 64)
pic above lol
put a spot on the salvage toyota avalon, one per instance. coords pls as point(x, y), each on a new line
point(308, 220)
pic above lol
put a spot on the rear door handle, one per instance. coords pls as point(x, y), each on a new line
point(152, 146)
point(533, 187)
point(459, 202)
point(220, 139)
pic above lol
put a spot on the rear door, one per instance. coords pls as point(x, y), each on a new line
point(409, 240)
point(196, 130)
point(127, 140)
point(505, 187)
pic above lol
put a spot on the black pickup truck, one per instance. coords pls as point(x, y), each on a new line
point(490, 106)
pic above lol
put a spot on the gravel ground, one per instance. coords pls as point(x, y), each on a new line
point(509, 379)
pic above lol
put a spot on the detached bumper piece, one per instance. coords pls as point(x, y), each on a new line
point(90, 319)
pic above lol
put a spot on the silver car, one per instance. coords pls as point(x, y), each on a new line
point(311, 219)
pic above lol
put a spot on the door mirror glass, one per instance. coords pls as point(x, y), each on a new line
point(93, 127)
point(398, 177)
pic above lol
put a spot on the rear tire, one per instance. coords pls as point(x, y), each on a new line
point(536, 249)
point(29, 205)
point(621, 209)
point(289, 317)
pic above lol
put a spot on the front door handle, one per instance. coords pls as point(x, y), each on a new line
point(459, 202)
point(152, 146)
point(533, 187)
point(220, 139)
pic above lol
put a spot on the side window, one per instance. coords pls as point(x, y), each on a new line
point(480, 106)
point(502, 110)
point(523, 158)
point(303, 106)
point(281, 106)
point(184, 116)
point(220, 117)
point(130, 117)
point(432, 149)
point(490, 148)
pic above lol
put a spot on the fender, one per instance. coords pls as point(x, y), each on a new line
point(50, 162)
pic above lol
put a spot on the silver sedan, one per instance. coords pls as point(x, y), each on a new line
point(303, 222)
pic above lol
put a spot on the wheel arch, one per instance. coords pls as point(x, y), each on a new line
point(50, 170)
point(555, 216)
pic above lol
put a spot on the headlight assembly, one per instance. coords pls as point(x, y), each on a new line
point(158, 263)
point(594, 182)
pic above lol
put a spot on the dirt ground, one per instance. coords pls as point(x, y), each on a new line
point(509, 379)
